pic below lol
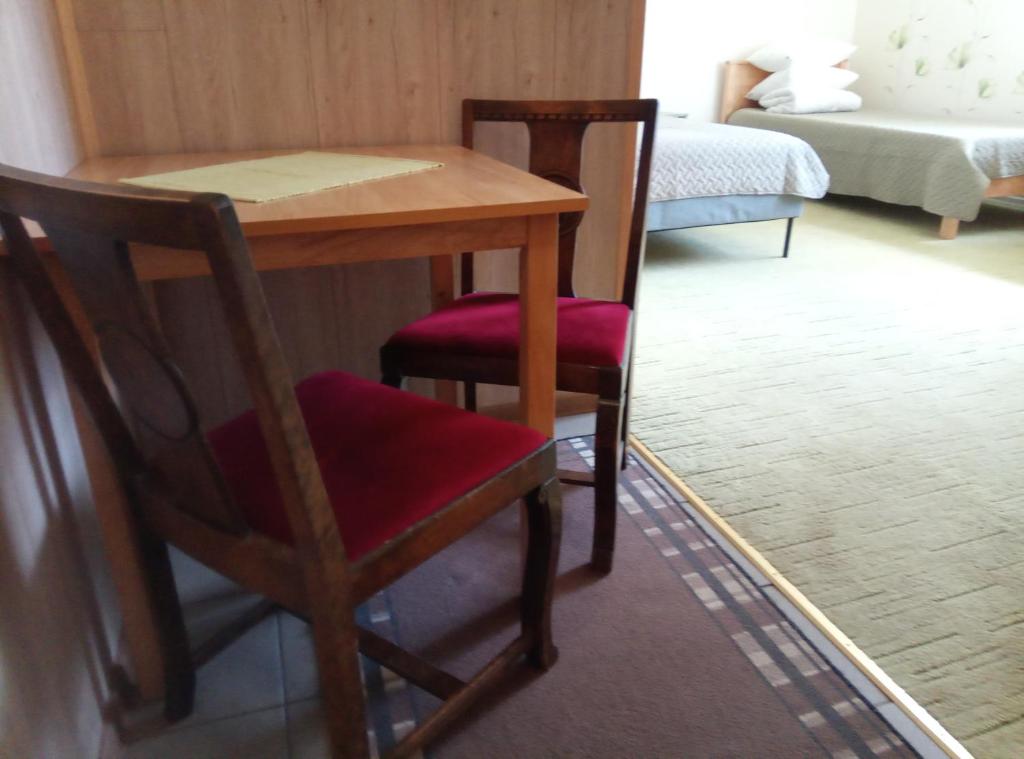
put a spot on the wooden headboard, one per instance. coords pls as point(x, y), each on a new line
point(739, 78)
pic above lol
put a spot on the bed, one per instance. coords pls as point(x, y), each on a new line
point(705, 174)
point(945, 166)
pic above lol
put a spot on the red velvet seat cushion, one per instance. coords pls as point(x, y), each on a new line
point(590, 332)
point(388, 458)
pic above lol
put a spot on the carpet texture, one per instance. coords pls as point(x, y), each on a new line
point(857, 413)
point(676, 653)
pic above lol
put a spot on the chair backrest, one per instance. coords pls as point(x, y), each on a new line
point(556, 130)
point(150, 422)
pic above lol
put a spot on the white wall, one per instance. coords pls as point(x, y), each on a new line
point(685, 43)
point(58, 616)
point(36, 119)
point(941, 57)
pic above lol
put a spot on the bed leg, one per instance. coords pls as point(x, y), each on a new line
point(789, 235)
point(948, 227)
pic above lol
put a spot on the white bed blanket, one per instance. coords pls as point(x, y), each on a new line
point(694, 159)
point(941, 165)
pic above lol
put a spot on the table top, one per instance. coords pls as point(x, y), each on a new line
point(469, 186)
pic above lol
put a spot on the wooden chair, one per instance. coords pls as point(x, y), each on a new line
point(400, 477)
point(476, 338)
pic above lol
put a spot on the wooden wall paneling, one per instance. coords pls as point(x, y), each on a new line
point(373, 300)
point(119, 15)
point(497, 49)
point(500, 49)
point(304, 309)
point(628, 166)
point(78, 83)
point(200, 72)
point(240, 71)
point(195, 329)
point(581, 72)
point(131, 90)
point(376, 71)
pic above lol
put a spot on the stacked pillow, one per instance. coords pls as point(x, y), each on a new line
point(804, 78)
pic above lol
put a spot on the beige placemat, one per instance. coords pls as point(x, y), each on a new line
point(283, 176)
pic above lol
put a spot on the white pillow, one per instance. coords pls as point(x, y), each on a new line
point(817, 52)
point(803, 75)
point(810, 100)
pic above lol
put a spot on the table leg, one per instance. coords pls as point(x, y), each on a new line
point(442, 292)
point(538, 288)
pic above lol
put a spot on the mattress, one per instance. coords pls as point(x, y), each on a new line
point(941, 165)
point(695, 160)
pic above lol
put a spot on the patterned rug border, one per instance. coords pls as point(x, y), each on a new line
point(811, 688)
point(897, 695)
point(806, 682)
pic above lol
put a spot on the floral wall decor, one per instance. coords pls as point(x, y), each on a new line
point(960, 58)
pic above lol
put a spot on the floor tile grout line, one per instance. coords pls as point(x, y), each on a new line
point(172, 729)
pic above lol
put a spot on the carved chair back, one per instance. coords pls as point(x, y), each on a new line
point(556, 131)
point(147, 416)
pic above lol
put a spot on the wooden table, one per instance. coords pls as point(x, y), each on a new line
point(471, 203)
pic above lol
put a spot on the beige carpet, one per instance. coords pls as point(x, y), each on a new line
point(857, 413)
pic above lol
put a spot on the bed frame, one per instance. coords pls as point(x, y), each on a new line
point(691, 213)
point(738, 79)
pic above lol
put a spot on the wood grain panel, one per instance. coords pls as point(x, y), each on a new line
point(194, 325)
point(516, 62)
point(119, 15)
point(240, 72)
point(582, 29)
point(375, 69)
point(131, 89)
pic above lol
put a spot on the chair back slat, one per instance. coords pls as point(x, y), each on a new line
point(557, 129)
point(150, 387)
point(150, 421)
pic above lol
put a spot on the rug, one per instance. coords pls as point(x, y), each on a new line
point(856, 412)
point(677, 653)
point(680, 652)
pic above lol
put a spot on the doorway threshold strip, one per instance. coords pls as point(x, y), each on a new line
point(915, 724)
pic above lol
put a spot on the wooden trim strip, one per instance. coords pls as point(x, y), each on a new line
point(634, 60)
point(77, 79)
point(917, 713)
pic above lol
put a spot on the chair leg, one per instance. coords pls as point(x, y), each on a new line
point(175, 648)
point(389, 372)
point(607, 462)
point(544, 521)
point(624, 424)
point(341, 690)
point(469, 390)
